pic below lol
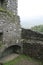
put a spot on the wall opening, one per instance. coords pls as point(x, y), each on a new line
point(2, 1)
point(1, 38)
point(14, 49)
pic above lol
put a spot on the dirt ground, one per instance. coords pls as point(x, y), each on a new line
point(9, 58)
point(27, 62)
point(22, 60)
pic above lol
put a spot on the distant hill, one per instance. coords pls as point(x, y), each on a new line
point(38, 28)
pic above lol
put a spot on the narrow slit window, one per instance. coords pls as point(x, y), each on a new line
point(2, 2)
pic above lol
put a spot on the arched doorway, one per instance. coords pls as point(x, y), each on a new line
point(11, 50)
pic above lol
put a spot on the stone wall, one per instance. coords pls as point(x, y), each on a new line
point(33, 50)
point(9, 24)
point(29, 34)
point(12, 6)
point(10, 27)
point(3, 3)
point(32, 43)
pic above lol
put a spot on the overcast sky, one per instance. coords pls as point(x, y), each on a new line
point(30, 12)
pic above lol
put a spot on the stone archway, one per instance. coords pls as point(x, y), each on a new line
point(11, 50)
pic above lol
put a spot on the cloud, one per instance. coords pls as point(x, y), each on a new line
point(30, 12)
point(28, 23)
point(30, 8)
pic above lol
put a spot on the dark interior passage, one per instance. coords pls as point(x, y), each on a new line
point(2, 1)
point(1, 36)
point(12, 49)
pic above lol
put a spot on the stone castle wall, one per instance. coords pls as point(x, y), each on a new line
point(32, 43)
point(33, 50)
point(10, 5)
point(10, 29)
point(11, 34)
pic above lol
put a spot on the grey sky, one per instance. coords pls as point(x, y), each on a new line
point(30, 12)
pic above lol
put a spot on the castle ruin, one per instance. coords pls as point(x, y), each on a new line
point(15, 39)
point(10, 30)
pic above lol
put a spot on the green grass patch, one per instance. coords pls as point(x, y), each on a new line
point(34, 60)
point(19, 58)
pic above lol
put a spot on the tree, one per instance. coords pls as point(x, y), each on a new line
point(38, 28)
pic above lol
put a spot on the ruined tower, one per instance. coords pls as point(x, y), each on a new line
point(10, 30)
point(10, 5)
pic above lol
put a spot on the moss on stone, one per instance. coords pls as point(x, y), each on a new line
point(6, 11)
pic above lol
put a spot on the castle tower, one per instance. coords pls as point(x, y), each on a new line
point(10, 5)
point(10, 30)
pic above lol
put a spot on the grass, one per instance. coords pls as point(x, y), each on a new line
point(19, 58)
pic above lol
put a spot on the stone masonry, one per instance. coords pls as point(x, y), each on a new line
point(32, 43)
point(10, 5)
point(12, 37)
point(9, 24)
